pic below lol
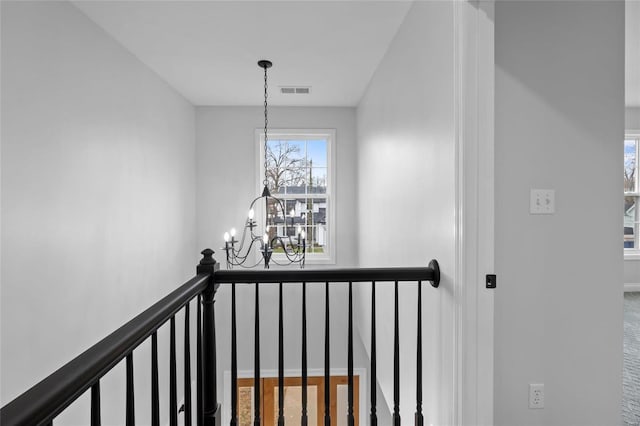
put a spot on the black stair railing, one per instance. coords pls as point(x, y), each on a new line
point(329, 276)
point(47, 399)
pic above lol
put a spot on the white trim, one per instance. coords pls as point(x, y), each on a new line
point(631, 287)
point(330, 134)
point(474, 305)
point(631, 254)
point(360, 372)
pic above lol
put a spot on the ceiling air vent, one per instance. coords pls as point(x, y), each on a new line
point(292, 90)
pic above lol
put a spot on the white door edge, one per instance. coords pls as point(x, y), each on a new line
point(474, 121)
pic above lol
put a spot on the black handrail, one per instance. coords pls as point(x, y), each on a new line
point(430, 273)
point(51, 396)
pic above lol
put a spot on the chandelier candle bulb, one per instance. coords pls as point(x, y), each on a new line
point(226, 237)
point(251, 213)
point(233, 232)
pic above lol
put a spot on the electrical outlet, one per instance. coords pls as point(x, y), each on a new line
point(542, 201)
point(536, 395)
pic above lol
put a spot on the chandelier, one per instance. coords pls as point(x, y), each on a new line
point(277, 233)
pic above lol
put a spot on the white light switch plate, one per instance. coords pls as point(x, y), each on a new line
point(543, 201)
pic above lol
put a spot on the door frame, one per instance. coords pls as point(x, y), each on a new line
point(474, 123)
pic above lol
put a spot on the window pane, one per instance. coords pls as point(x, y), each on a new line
point(318, 181)
point(630, 163)
point(294, 180)
point(285, 163)
point(296, 150)
point(629, 221)
point(317, 153)
point(316, 228)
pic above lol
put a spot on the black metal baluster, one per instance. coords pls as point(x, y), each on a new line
point(95, 404)
point(199, 412)
point(280, 358)
point(173, 382)
point(234, 360)
point(350, 419)
point(396, 362)
point(419, 420)
point(155, 391)
point(374, 414)
point(130, 414)
point(187, 368)
point(327, 357)
point(256, 360)
point(304, 419)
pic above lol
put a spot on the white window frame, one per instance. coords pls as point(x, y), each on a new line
point(329, 256)
point(634, 253)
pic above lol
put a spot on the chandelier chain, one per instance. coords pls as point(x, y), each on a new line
point(266, 121)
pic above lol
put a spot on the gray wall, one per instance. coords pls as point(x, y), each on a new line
point(98, 196)
point(559, 124)
point(406, 193)
point(632, 118)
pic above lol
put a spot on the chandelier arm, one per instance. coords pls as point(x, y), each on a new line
point(292, 257)
point(244, 257)
point(244, 235)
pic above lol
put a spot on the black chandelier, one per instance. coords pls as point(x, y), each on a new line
point(277, 231)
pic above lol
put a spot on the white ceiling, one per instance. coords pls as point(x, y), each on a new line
point(632, 53)
point(208, 50)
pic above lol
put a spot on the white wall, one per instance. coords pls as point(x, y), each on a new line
point(406, 198)
point(559, 124)
point(98, 195)
point(227, 182)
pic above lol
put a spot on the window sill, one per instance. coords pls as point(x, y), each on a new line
point(632, 255)
point(631, 288)
point(319, 260)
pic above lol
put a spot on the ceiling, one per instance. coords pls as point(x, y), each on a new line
point(208, 50)
point(632, 53)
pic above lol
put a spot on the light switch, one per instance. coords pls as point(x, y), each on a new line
point(543, 201)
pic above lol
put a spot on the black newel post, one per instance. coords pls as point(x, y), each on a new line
point(210, 406)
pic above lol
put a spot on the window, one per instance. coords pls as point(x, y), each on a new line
point(631, 194)
point(300, 173)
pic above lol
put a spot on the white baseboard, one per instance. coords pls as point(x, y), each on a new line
point(629, 287)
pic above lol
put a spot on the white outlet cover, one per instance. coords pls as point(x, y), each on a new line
point(542, 201)
point(536, 395)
